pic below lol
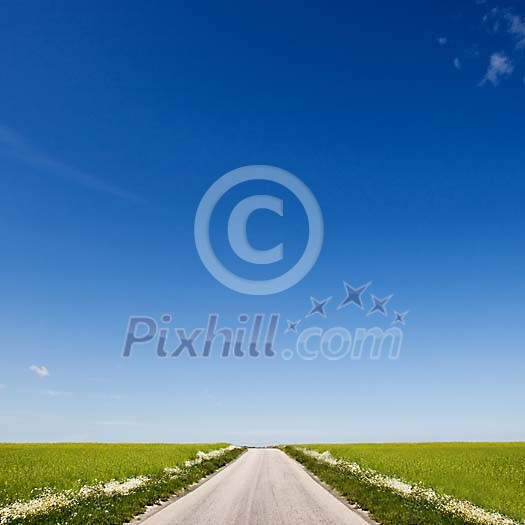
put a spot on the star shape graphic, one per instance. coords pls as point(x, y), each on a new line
point(379, 305)
point(292, 326)
point(399, 318)
point(318, 307)
point(353, 295)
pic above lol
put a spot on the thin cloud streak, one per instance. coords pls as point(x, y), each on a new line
point(18, 147)
point(119, 423)
point(58, 393)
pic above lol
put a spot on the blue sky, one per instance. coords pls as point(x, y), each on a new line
point(405, 121)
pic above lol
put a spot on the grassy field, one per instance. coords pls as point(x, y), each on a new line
point(25, 467)
point(29, 471)
point(491, 475)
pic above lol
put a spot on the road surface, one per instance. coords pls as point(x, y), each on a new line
point(263, 487)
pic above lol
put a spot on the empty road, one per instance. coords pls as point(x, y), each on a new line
point(263, 487)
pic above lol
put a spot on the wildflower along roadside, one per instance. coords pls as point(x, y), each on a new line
point(446, 505)
point(115, 500)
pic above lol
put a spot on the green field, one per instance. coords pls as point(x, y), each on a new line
point(491, 475)
point(25, 467)
point(102, 484)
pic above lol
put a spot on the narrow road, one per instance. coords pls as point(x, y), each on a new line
point(263, 487)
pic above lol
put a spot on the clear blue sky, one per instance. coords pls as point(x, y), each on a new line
point(406, 120)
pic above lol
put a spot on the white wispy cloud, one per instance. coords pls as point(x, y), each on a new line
point(505, 20)
point(516, 28)
point(40, 371)
point(18, 147)
point(500, 66)
point(2, 386)
point(442, 40)
point(509, 25)
point(457, 63)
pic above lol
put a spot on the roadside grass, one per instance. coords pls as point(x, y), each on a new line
point(384, 506)
point(71, 466)
point(25, 468)
point(490, 475)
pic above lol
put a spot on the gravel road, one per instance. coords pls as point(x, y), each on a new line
point(263, 487)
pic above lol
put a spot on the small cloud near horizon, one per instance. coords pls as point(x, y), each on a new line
point(40, 371)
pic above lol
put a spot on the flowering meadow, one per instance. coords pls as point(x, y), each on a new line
point(98, 483)
point(459, 483)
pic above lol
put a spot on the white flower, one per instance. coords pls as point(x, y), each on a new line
point(125, 487)
point(442, 502)
point(50, 501)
